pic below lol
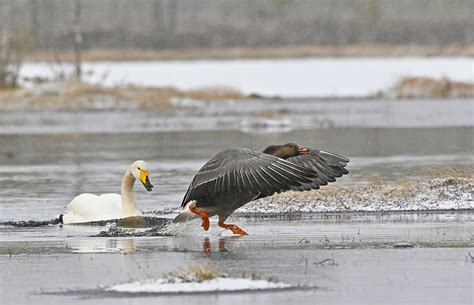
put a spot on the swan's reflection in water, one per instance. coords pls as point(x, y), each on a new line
point(165, 244)
point(102, 246)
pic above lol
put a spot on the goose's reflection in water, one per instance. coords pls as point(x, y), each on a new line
point(221, 244)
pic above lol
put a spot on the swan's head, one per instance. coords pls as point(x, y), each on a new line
point(139, 170)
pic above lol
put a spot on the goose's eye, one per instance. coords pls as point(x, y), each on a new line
point(138, 168)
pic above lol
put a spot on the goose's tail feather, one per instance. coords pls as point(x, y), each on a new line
point(186, 214)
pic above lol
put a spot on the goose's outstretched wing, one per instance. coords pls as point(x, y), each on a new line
point(241, 173)
point(329, 166)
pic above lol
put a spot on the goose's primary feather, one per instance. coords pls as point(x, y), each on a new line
point(329, 166)
point(238, 173)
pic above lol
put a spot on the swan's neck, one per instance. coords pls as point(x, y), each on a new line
point(129, 206)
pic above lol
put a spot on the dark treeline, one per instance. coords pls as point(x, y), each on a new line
point(160, 24)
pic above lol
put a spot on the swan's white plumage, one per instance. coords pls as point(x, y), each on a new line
point(90, 207)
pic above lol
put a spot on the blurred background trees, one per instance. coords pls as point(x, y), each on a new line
point(159, 24)
point(55, 26)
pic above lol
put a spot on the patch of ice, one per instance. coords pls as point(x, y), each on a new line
point(268, 125)
point(186, 102)
point(219, 284)
point(300, 77)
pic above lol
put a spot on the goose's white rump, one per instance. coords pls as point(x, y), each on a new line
point(90, 207)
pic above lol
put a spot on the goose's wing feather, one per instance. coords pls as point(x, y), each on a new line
point(239, 170)
point(329, 166)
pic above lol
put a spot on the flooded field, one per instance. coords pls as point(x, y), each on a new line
point(46, 158)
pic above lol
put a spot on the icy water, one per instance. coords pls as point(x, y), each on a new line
point(341, 77)
point(46, 158)
point(340, 259)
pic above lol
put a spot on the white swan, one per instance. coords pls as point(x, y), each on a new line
point(89, 207)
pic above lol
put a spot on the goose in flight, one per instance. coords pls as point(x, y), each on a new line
point(236, 176)
point(89, 207)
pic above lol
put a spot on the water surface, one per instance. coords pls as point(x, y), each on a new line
point(46, 158)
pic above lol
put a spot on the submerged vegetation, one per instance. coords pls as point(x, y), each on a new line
point(199, 278)
point(195, 273)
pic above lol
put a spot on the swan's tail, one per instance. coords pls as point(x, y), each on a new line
point(30, 223)
point(186, 214)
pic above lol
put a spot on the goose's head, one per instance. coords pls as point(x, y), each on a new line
point(286, 150)
point(139, 170)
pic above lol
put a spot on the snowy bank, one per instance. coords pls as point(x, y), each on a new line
point(431, 195)
point(198, 279)
point(215, 285)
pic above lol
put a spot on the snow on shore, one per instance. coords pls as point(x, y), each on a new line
point(431, 195)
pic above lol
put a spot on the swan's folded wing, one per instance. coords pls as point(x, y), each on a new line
point(329, 166)
point(239, 170)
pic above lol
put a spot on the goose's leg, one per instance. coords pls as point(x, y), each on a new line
point(204, 216)
point(234, 228)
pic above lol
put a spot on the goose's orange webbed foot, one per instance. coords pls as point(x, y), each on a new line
point(204, 216)
point(234, 228)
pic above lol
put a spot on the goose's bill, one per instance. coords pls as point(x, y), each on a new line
point(145, 180)
point(303, 151)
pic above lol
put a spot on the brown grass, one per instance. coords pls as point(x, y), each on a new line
point(210, 93)
point(272, 114)
point(401, 189)
point(425, 87)
point(197, 273)
point(72, 95)
point(440, 171)
point(262, 52)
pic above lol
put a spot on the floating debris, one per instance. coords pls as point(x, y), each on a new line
point(471, 257)
point(30, 223)
point(403, 245)
point(328, 261)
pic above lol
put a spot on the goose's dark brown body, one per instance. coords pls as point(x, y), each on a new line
point(237, 176)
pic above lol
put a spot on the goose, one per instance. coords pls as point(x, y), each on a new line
point(236, 176)
point(89, 207)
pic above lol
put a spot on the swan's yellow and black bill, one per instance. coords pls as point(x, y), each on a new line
point(145, 180)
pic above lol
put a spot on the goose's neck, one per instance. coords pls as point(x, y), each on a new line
point(129, 206)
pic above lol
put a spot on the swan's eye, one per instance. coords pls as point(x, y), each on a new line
point(138, 168)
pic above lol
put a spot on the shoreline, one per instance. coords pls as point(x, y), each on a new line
point(284, 52)
point(76, 95)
